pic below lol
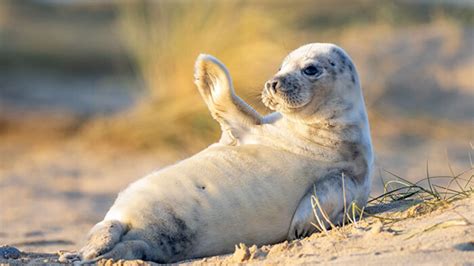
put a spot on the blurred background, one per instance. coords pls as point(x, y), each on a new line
point(94, 94)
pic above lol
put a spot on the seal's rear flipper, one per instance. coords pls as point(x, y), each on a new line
point(125, 250)
point(102, 238)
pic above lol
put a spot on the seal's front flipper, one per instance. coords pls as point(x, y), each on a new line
point(215, 85)
point(213, 81)
point(322, 206)
point(302, 224)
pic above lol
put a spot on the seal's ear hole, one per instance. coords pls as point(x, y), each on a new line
point(203, 188)
point(332, 63)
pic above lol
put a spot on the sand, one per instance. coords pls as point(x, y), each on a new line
point(53, 191)
point(443, 237)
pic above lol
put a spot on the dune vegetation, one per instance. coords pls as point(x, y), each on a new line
point(95, 94)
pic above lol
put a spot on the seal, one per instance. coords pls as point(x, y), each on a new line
point(255, 185)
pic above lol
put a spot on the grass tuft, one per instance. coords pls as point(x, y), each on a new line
point(421, 197)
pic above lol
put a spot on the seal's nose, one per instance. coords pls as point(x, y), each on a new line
point(272, 85)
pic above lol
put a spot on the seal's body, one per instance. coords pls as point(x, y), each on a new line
point(255, 185)
point(206, 204)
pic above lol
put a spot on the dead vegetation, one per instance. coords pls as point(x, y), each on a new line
point(415, 62)
point(163, 39)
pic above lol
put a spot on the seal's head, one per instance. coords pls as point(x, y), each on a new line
point(313, 79)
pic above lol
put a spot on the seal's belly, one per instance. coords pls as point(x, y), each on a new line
point(220, 197)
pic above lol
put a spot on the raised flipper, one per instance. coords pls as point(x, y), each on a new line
point(215, 85)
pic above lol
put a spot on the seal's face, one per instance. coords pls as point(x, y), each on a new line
point(308, 77)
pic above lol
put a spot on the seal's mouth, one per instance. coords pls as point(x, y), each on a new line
point(284, 100)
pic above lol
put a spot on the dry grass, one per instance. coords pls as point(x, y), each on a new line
point(409, 199)
point(163, 38)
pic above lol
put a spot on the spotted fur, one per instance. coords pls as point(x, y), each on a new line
point(263, 168)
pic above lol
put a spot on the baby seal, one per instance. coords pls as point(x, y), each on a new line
point(255, 185)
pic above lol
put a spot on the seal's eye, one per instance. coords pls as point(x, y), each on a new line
point(311, 71)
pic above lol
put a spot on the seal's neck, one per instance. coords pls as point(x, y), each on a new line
point(336, 125)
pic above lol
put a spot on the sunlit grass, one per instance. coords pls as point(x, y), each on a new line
point(415, 199)
point(163, 38)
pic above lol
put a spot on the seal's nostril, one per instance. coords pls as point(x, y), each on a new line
point(270, 86)
point(275, 84)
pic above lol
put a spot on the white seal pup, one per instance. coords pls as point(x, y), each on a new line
point(254, 185)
